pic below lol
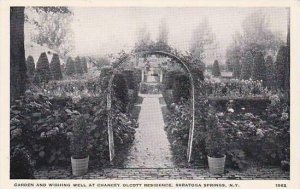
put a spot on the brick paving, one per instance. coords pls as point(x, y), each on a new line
point(269, 173)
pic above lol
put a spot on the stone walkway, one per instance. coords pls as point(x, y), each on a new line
point(269, 173)
point(151, 148)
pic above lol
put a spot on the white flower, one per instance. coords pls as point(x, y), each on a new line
point(259, 132)
point(230, 110)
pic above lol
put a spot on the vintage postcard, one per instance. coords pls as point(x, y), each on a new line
point(150, 94)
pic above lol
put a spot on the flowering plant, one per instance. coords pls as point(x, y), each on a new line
point(215, 136)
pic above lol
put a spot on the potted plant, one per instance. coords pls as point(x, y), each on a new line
point(79, 143)
point(215, 144)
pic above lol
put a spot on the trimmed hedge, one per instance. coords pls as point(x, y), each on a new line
point(169, 78)
point(181, 87)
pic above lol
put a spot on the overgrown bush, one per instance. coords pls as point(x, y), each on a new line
point(21, 165)
point(45, 126)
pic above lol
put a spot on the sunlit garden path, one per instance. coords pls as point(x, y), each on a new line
point(151, 148)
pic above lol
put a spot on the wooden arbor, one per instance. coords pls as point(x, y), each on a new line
point(126, 57)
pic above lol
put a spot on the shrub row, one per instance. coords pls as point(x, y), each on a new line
point(43, 126)
point(263, 138)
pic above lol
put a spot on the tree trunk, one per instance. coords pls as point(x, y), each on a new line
point(17, 53)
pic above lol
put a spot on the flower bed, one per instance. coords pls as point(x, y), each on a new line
point(263, 138)
point(232, 88)
point(43, 125)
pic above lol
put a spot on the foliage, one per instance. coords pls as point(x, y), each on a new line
point(51, 26)
point(163, 32)
point(282, 68)
point(55, 67)
point(202, 38)
point(257, 35)
point(120, 89)
point(270, 73)
point(42, 69)
point(169, 78)
point(216, 69)
point(70, 67)
point(214, 136)
point(30, 66)
point(72, 88)
point(21, 166)
point(181, 87)
point(259, 68)
point(247, 64)
point(232, 88)
point(79, 139)
point(78, 66)
point(45, 126)
point(84, 64)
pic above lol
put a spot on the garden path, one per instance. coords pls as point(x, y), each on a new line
point(151, 148)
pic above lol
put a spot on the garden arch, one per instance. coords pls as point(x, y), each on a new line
point(154, 52)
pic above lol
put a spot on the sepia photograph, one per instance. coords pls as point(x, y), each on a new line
point(144, 95)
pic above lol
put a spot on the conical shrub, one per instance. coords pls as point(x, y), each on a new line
point(216, 69)
point(259, 67)
point(70, 67)
point(43, 69)
point(283, 68)
point(30, 66)
point(55, 67)
point(78, 66)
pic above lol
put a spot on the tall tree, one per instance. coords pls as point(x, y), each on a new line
point(55, 67)
point(247, 63)
point(51, 27)
point(257, 35)
point(259, 67)
point(163, 32)
point(202, 39)
point(216, 69)
point(70, 67)
point(17, 53)
point(234, 55)
point(282, 68)
point(270, 75)
point(143, 39)
point(43, 69)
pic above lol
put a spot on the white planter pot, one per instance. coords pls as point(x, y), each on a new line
point(216, 165)
point(79, 166)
